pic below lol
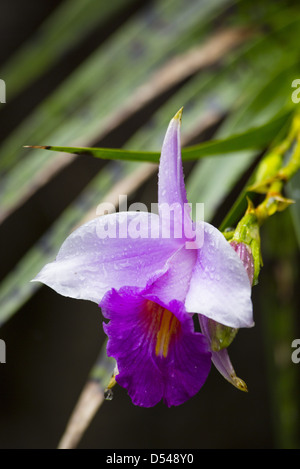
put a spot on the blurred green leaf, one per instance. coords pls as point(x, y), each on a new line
point(266, 94)
point(86, 106)
point(279, 304)
point(293, 192)
point(211, 181)
point(84, 103)
point(55, 37)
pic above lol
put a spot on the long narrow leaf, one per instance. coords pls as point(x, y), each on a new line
point(255, 138)
point(54, 38)
point(293, 192)
point(82, 105)
point(96, 94)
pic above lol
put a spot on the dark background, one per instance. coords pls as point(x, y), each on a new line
point(53, 342)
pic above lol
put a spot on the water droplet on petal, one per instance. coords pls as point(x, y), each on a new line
point(108, 394)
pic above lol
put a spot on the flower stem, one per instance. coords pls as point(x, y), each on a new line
point(271, 177)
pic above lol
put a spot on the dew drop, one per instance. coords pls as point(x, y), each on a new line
point(108, 394)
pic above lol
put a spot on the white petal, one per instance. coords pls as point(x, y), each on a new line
point(89, 264)
point(220, 287)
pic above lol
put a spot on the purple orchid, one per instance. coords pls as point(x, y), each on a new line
point(150, 285)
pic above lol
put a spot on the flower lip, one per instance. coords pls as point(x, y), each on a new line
point(165, 326)
point(159, 355)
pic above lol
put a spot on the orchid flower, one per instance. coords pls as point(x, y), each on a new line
point(149, 286)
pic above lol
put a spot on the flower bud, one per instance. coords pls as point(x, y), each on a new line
point(221, 336)
point(220, 357)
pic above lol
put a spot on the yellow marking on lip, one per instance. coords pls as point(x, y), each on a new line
point(165, 325)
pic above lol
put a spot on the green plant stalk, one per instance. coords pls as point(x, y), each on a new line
point(270, 178)
point(248, 228)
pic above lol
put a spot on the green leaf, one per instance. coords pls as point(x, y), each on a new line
point(255, 138)
point(212, 180)
point(280, 307)
point(86, 106)
point(293, 192)
point(54, 38)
